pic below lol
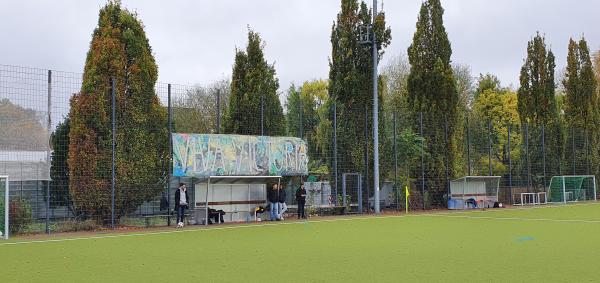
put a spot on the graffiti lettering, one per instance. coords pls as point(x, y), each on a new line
point(217, 155)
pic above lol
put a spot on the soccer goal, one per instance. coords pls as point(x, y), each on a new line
point(474, 192)
point(4, 207)
point(572, 188)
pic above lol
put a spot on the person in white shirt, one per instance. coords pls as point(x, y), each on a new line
point(281, 198)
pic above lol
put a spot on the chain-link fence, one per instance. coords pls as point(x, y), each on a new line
point(69, 172)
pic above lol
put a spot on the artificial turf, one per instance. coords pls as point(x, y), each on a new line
point(547, 244)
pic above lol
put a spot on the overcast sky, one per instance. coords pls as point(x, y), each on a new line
point(194, 41)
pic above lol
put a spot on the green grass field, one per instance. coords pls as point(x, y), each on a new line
point(546, 244)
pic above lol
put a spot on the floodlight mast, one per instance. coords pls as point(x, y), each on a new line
point(367, 36)
point(375, 116)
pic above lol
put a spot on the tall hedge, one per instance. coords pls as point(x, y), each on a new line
point(119, 49)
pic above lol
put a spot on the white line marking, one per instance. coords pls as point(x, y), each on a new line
point(514, 208)
point(513, 218)
point(197, 230)
point(441, 214)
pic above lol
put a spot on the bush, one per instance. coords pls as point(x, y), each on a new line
point(19, 214)
point(75, 226)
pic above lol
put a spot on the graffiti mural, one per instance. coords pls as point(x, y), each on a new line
point(203, 155)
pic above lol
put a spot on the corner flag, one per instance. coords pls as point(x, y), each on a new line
point(406, 194)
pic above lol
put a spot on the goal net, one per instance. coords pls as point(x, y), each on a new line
point(473, 192)
point(572, 188)
point(4, 207)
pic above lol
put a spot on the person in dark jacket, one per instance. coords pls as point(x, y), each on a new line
point(281, 199)
point(301, 200)
point(181, 203)
point(273, 198)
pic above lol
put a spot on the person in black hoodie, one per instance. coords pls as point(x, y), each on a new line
point(273, 198)
point(301, 199)
point(181, 203)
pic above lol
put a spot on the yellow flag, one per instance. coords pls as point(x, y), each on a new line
point(406, 194)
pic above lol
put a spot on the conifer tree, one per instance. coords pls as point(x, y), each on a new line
point(119, 49)
point(254, 90)
point(581, 108)
point(539, 115)
point(580, 86)
point(351, 82)
point(432, 91)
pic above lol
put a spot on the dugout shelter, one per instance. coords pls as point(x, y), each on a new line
point(471, 192)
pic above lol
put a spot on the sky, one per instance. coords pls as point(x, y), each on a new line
point(194, 42)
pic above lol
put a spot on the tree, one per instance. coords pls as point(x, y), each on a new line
point(408, 142)
point(537, 102)
point(596, 137)
point(351, 82)
point(21, 128)
point(487, 82)
point(294, 115)
point(119, 49)
point(303, 106)
point(395, 75)
point(59, 166)
point(196, 110)
point(500, 108)
point(254, 90)
point(580, 86)
point(581, 108)
point(464, 86)
point(432, 91)
point(538, 112)
point(597, 66)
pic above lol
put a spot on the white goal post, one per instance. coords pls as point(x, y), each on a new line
point(572, 188)
point(4, 206)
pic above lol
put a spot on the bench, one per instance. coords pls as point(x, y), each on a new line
point(148, 217)
point(231, 208)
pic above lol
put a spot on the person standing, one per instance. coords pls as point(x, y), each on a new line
point(301, 200)
point(273, 198)
point(281, 198)
point(181, 203)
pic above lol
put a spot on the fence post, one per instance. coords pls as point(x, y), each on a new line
point(335, 168)
point(367, 155)
point(48, 157)
point(490, 173)
point(422, 159)
point(301, 128)
point(573, 149)
point(114, 132)
point(468, 146)
point(510, 189)
point(262, 114)
point(527, 156)
point(447, 158)
point(170, 163)
point(588, 152)
point(544, 152)
point(396, 163)
point(218, 109)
